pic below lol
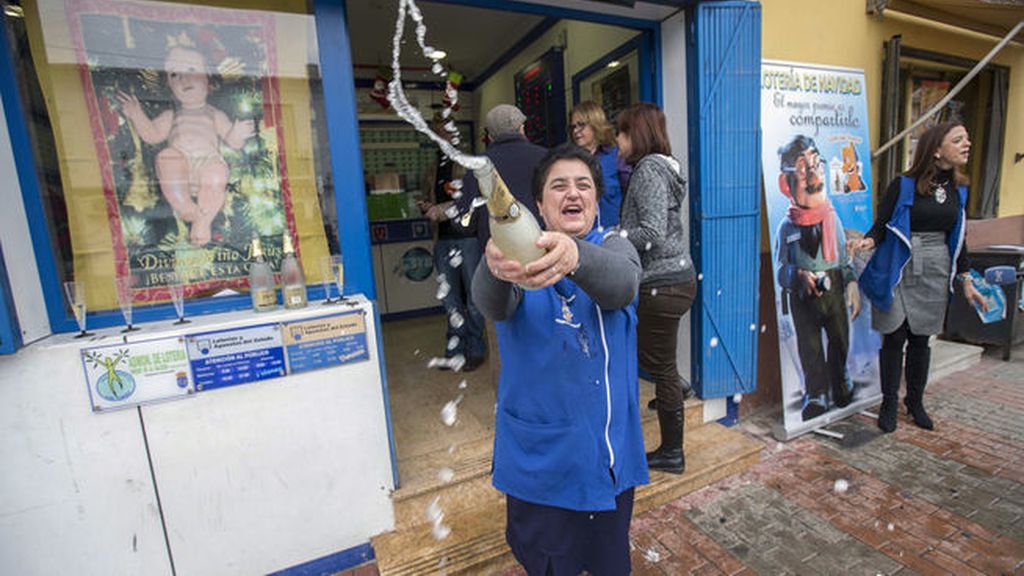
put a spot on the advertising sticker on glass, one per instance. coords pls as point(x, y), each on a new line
point(186, 119)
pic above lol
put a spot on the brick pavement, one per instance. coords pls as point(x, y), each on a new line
point(949, 501)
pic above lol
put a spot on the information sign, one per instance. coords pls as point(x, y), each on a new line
point(123, 375)
point(236, 356)
point(325, 341)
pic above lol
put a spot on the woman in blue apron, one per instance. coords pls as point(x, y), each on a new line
point(590, 130)
point(568, 445)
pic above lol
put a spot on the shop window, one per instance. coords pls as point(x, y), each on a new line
point(923, 79)
point(167, 136)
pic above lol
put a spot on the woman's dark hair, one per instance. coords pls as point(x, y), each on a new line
point(924, 167)
point(644, 123)
point(566, 151)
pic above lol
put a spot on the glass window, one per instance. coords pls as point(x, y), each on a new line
point(168, 135)
point(980, 106)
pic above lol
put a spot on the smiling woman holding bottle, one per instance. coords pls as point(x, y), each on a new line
point(919, 234)
point(568, 444)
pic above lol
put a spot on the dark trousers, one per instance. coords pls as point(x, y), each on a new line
point(657, 335)
point(472, 342)
point(552, 541)
point(810, 315)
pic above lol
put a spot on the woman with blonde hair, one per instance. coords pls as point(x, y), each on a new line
point(590, 130)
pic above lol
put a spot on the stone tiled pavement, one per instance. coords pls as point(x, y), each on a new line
point(949, 501)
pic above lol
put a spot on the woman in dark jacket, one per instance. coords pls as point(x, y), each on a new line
point(652, 218)
point(919, 236)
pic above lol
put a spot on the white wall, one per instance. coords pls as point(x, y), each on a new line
point(252, 479)
point(17, 247)
point(673, 84)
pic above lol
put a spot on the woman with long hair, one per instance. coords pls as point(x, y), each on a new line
point(652, 218)
point(920, 255)
point(590, 130)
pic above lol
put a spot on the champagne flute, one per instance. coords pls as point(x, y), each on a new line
point(124, 285)
point(327, 276)
point(338, 273)
point(74, 291)
point(177, 288)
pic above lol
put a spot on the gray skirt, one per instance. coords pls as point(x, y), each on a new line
point(922, 293)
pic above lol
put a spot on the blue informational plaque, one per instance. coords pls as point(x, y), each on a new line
point(236, 356)
point(325, 341)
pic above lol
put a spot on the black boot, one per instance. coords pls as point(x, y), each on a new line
point(669, 456)
point(918, 361)
point(890, 366)
point(687, 394)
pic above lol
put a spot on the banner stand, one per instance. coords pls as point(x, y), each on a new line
point(780, 433)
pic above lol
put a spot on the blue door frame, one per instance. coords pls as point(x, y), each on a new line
point(10, 334)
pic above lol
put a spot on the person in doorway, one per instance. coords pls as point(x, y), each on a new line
point(192, 173)
point(515, 158)
point(920, 254)
point(568, 444)
point(652, 219)
point(590, 130)
point(456, 255)
point(816, 277)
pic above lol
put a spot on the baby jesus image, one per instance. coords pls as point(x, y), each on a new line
point(191, 171)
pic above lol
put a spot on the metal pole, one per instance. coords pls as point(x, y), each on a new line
point(956, 89)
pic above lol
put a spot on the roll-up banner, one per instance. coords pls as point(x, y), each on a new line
point(817, 180)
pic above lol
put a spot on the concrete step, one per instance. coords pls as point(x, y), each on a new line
point(950, 357)
point(476, 512)
point(471, 461)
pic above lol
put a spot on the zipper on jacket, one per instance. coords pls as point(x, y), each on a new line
point(607, 391)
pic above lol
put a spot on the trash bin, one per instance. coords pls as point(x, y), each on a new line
point(962, 321)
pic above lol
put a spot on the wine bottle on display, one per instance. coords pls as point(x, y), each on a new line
point(262, 287)
point(514, 229)
point(293, 281)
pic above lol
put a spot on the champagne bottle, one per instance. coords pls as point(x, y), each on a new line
point(514, 229)
point(293, 281)
point(261, 280)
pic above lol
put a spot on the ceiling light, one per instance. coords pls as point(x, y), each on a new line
point(14, 11)
point(614, 64)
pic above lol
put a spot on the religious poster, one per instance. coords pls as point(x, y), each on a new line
point(817, 180)
point(185, 114)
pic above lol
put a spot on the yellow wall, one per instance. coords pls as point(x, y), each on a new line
point(586, 43)
point(842, 34)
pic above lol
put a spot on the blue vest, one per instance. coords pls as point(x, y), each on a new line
point(884, 270)
point(567, 427)
point(611, 200)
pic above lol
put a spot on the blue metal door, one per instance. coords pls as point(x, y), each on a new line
point(10, 335)
point(724, 63)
